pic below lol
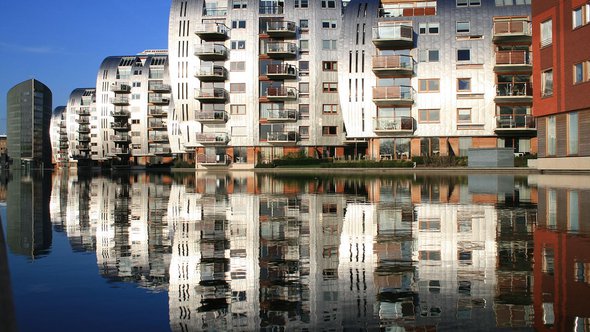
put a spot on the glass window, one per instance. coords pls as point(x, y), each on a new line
point(463, 27)
point(572, 133)
point(551, 136)
point(464, 115)
point(463, 84)
point(429, 115)
point(304, 87)
point(237, 66)
point(237, 87)
point(329, 44)
point(304, 45)
point(237, 109)
point(330, 87)
point(304, 24)
point(577, 17)
point(463, 55)
point(578, 73)
point(330, 108)
point(547, 82)
point(429, 85)
point(238, 44)
point(547, 33)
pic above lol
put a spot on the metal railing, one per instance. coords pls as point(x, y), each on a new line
point(281, 47)
point(282, 92)
point(393, 62)
point(513, 58)
point(159, 87)
point(283, 136)
point(515, 122)
point(120, 87)
point(211, 49)
point(399, 92)
point(213, 71)
point(399, 123)
point(120, 138)
point(120, 101)
point(157, 99)
point(211, 93)
point(281, 26)
point(510, 89)
point(281, 69)
point(399, 32)
point(212, 138)
point(212, 116)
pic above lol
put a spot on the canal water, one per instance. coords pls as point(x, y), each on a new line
point(285, 252)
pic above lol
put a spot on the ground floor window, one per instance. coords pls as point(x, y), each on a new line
point(464, 145)
point(394, 148)
point(572, 133)
point(551, 136)
point(520, 145)
point(240, 154)
point(429, 146)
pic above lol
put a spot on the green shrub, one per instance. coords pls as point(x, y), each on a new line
point(523, 161)
point(179, 163)
point(440, 161)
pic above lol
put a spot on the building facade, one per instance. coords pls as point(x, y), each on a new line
point(59, 137)
point(28, 114)
point(81, 107)
point(561, 76)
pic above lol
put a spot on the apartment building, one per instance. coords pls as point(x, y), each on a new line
point(80, 109)
point(561, 76)
point(58, 135)
point(130, 125)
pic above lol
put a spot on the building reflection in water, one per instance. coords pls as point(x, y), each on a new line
point(245, 251)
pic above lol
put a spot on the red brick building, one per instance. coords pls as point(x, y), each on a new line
point(561, 76)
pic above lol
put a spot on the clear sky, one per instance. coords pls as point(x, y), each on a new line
point(63, 42)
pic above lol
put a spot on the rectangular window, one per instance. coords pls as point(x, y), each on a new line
point(463, 84)
point(304, 111)
point(429, 116)
point(238, 24)
point(572, 133)
point(237, 66)
point(328, 3)
point(303, 45)
point(329, 24)
point(303, 68)
point(546, 33)
point(430, 28)
point(304, 132)
point(304, 25)
point(330, 108)
point(463, 115)
point(429, 85)
point(330, 87)
point(429, 56)
point(301, 3)
point(468, 3)
point(582, 72)
point(328, 44)
point(429, 255)
point(239, 4)
point(237, 109)
point(551, 136)
point(463, 55)
point(238, 44)
point(463, 27)
point(329, 65)
point(303, 88)
point(547, 82)
point(329, 130)
point(237, 87)
point(577, 17)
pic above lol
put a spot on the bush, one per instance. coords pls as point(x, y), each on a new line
point(371, 164)
point(522, 161)
point(179, 163)
point(440, 161)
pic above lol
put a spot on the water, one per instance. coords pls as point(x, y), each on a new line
point(156, 252)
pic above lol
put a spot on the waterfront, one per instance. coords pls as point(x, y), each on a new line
point(248, 251)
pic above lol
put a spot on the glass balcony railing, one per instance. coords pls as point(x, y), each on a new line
point(512, 30)
point(120, 88)
point(393, 95)
point(212, 138)
point(281, 29)
point(393, 36)
point(212, 116)
point(283, 137)
point(281, 50)
point(213, 32)
point(394, 124)
point(211, 95)
point(515, 122)
point(281, 71)
point(280, 115)
point(211, 52)
point(393, 65)
point(281, 93)
point(216, 11)
point(212, 74)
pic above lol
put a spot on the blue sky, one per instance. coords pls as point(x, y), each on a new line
point(62, 42)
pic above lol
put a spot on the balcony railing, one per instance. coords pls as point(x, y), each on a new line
point(120, 126)
point(158, 137)
point(393, 36)
point(157, 124)
point(512, 30)
point(213, 160)
point(282, 93)
point(84, 138)
point(83, 147)
point(120, 101)
point(281, 71)
point(212, 117)
point(281, 29)
point(159, 87)
point(400, 124)
point(281, 50)
point(84, 128)
point(120, 113)
point(393, 95)
point(220, 11)
point(212, 74)
point(211, 52)
point(157, 111)
point(120, 151)
point(121, 138)
point(270, 9)
point(513, 123)
point(85, 111)
point(158, 100)
point(281, 115)
point(160, 150)
point(121, 88)
point(393, 65)
point(83, 120)
point(213, 32)
point(282, 137)
point(514, 92)
point(212, 138)
point(211, 95)
point(513, 61)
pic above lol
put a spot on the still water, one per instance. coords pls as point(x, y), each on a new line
point(245, 251)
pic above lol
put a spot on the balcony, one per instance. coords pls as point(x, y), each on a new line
point(120, 151)
point(393, 66)
point(514, 93)
point(160, 151)
point(212, 117)
point(120, 88)
point(282, 93)
point(157, 124)
point(158, 137)
point(120, 113)
point(85, 111)
point(281, 72)
point(213, 32)
point(393, 95)
point(120, 126)
point(212, 74)
point(513, 62)
point(84, 129)
point(83, 138)
point(159, 87)
point(120, 101)
point(157, 112)
point(83, 147)
point(213, 160)
point(270, 9)
point(158, 100)
point(281, 50)
point(517, 30)
point(398, 36)
point(211, 95)
point(212, 52)
point(281, 115)
point(64, 145)
point(515, 125)
point(217, 11)
point(281, 29)
point(121, 138)
point(392, 125)
point(212, 138)
point(285, 137)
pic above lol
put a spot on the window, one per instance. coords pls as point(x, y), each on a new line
point(429, 115)
point(580, 16)
point(239, 4)
point(463, 84)
point(547, 81)
point(303, 68)
point(238, 44)
point(301, 3)
point(430, 28)
point(237, 66)
point(238, 24)
point(304, 132)
point(304, 46)
point(237, 109)
point(330, 108)
point(551, 136)
point(329, 24)
point(429, 85)
point(304, 24)
point(329, 130)
point(572, 133)
point(328, 4)
point(463, 55)
point(463, 27)
point(329, 65)
point(464, 115)
point(237, 87)
point(304, 111)
point(468, 3)
point(330, 87)
point(429, 255)
point(546, 33)
point(500, 3)
point(303, 89)
point(135, 96)
point(328, 44)
point(582, 72)
point(136, 84)
point(428, 56)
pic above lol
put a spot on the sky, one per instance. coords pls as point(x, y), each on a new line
point(63, 42)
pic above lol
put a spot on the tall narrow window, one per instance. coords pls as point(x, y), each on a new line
point(546, 33)
point(547, 83)
point(572, 133)
point(551, 137)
